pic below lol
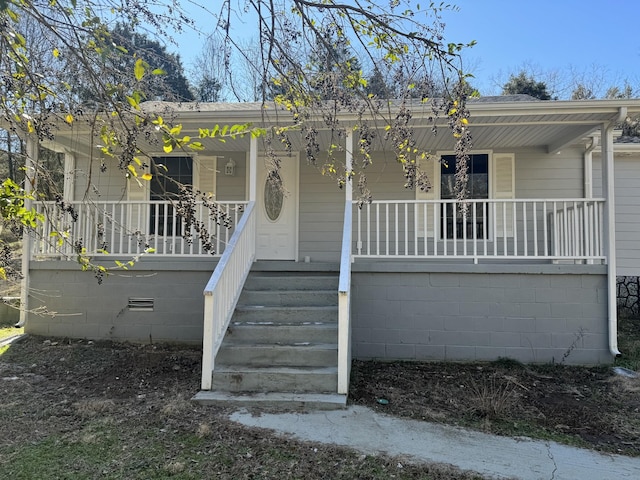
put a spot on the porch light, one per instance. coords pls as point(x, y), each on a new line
point(230, 168)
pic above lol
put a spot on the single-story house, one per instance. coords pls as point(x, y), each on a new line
point(298, 282)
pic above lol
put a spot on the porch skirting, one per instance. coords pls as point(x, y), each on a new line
point(531, 313)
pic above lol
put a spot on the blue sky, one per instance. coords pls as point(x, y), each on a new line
point(549, 37)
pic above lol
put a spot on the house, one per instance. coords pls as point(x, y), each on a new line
point(304, 280)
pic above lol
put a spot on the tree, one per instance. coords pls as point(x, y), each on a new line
point(582, 92)
point(131, 45)
point(119, 68)
point(524, 84)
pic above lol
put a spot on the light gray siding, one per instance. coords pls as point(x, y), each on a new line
point(531, 314)
point(92, 183)
point(231, 188)
point(540, 175)
point(627, 205)
point(322, 204)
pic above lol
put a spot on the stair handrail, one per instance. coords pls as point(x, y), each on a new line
point(344, 304)
point(223, 289)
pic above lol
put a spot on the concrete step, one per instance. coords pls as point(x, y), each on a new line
point(264, 355)
point(298, 401)
point(288, 298)
point(275, 379)
point(291, 281)
point(281, 333)
point(290, 314)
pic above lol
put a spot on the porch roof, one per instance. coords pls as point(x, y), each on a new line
point(509, 123)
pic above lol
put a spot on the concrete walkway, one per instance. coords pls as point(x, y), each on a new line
point(491, 456)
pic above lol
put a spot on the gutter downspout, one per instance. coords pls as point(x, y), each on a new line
point(608, 174)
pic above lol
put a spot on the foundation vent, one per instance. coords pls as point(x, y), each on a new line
point(141, 304)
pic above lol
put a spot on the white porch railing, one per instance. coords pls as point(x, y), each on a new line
point(344, 305)
point(223, 289)
point(129, 228)
point(558, 229)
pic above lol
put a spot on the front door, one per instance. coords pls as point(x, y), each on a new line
point(277, 227)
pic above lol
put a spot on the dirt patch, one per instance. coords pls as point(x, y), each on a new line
point(588, 407)
point(78, 409)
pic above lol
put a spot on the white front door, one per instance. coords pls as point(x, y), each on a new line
point(277, 236)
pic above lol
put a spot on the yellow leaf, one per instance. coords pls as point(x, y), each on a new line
point(56, 52)
point(3, 273)
point(465, 121)
point(132, 169)
point(147, 176)
point(168, 148)
point(138, 69)
point(69, 118)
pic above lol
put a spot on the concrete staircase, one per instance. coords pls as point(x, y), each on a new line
point(281, 347)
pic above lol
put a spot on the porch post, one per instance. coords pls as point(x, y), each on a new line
point(69, 176)
point(610, 233)
point(588, 167)
point(348, 166)
point(30, 179)
point(253, 168)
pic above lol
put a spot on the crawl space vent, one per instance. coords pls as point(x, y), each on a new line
point(141, 304)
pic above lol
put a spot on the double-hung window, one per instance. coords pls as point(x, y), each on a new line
point(472, 221)
point(491, 178)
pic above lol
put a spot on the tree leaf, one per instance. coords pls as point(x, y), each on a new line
point(138, 69)
point(147, 176)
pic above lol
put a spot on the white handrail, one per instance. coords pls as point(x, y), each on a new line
point(131, 227)
point(223, 289)
point(549, 229)
point(344, 304)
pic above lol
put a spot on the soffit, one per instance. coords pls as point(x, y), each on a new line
point(493, 124)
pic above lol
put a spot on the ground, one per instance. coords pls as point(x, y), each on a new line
point(79, 409)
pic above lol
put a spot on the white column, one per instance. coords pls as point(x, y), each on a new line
point(348, 166)
point(609, 224)
point(69, 177)
point(253, 168)
point(30, 178)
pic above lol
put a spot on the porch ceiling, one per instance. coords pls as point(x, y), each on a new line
point(494, 122)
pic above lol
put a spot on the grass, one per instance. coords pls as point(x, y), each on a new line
point(629, 343)
point(9, 331)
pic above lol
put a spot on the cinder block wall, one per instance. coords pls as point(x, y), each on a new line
point(77, 307)
point(547, 313)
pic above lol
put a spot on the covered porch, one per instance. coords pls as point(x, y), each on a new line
point(540, 218)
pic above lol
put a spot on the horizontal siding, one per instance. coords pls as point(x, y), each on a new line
point(320, 215)
point(540, 175)
point(322, 204)
point(627, 204)
point(91, 183)
point(231, 188)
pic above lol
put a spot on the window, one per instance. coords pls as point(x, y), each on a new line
point(477, 188)
point(491, 176)
point(169, 174)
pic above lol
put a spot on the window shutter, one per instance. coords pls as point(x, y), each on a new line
point(204, 174)
point(430, 212)
point(503, 188)
point(138, 219)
